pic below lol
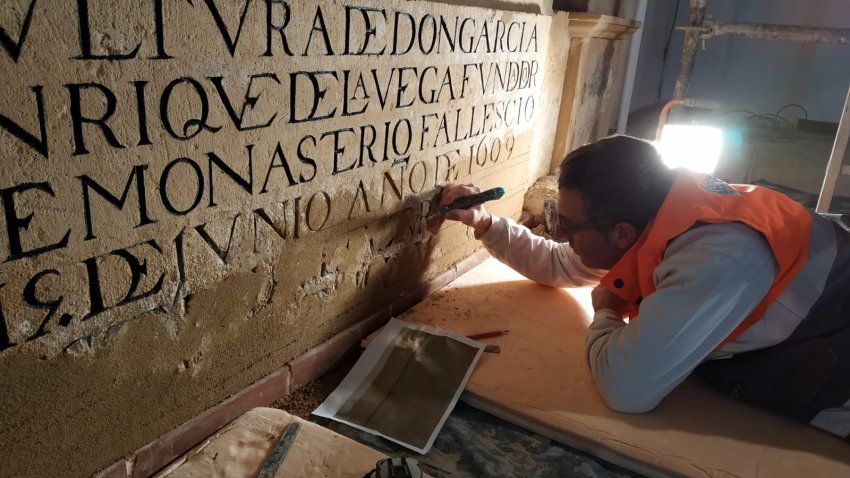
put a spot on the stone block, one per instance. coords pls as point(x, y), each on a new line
point(589, 98)
point(528, 6)
point(196, 192)
point(605, 7)
point(545, 188)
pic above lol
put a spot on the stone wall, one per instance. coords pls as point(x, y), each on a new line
point(196, 192)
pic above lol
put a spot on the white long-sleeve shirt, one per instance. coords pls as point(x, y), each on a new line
point(709, 281)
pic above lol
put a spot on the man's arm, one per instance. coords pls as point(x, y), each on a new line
point(710, 280)
point(543, 261)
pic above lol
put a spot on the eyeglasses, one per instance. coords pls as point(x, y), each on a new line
point(566, 232)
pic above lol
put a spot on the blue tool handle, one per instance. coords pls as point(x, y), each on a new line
point(473, 200)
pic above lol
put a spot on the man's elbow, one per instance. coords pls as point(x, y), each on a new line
point(624, 386)
point(550, 282)
point(629, 398)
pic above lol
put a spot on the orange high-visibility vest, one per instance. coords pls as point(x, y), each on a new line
point(699, 198)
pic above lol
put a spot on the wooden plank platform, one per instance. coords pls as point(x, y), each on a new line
point(540, 381)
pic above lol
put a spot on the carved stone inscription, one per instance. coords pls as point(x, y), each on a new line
point(150, 149)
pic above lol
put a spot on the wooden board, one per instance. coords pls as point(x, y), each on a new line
point(840, 151)
point(540, 381)
point(241, 448)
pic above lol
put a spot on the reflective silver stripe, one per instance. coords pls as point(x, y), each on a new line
point(791, 307)
point(834, 420)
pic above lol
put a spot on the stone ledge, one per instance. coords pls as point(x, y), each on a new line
point(315, 362)
point(157, 454)
point(162, 451)
point(119, 469)
point(597, 25)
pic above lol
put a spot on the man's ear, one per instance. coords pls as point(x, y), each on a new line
point(623, 235)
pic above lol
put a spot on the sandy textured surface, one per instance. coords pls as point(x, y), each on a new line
point(196, 193)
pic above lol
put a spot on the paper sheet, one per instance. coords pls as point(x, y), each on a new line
point(405, 384)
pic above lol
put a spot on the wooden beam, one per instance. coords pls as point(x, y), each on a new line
point(836, 159)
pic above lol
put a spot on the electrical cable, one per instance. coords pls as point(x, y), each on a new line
point(771, 126)
point(796, 105)
point(667, 48)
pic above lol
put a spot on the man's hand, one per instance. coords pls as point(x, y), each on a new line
point(475, 217)
point(605, 299)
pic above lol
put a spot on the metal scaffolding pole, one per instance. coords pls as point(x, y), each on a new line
point(700, 28)
point(696, 17)
point(798, 33)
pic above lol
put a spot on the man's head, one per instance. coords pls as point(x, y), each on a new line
point(608, 192)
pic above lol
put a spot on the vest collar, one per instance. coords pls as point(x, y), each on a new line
point(622, 279)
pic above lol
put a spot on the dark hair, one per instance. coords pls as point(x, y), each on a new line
point(620, 179)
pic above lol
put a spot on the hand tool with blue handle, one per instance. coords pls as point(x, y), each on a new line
point(467, 202)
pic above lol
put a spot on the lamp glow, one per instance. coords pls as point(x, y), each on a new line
point(693, 147)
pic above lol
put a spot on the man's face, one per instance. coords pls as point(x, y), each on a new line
point(595, 247)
